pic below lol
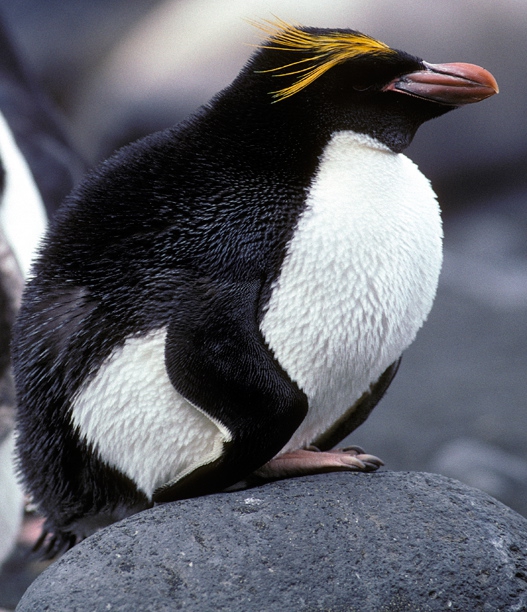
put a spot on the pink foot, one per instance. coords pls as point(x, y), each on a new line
point(312, 461)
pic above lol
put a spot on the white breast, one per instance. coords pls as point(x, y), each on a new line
point(359, 277)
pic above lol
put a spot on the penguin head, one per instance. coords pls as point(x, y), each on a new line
point(334, 80)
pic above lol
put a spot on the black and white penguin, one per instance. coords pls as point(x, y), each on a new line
point(218, 297)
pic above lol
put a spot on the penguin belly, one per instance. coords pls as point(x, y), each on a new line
point(358, 279)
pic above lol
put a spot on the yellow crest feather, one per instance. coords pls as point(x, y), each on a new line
point(327, 50)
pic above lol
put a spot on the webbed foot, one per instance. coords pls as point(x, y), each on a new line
point(313, 461)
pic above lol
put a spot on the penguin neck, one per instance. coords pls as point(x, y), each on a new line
point(349, 139)
point(285, 136)
point(263, 137)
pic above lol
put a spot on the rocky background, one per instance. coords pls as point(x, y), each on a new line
point(118, 69)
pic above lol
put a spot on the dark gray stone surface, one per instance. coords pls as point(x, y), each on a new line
point(387, 542)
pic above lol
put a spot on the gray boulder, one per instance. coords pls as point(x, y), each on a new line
point(390, 541)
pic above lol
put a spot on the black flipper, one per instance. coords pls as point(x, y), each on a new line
point(217, 359)
point(359, 413)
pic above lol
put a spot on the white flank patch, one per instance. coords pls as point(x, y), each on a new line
point(135, 420)
point(22, 212)
point(11, 499)
point(359, 277)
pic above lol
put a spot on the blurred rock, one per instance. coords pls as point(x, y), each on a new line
point(62, 41)
point(484, 466)
point(377, 542)
point(486, 253)
point(39, 133)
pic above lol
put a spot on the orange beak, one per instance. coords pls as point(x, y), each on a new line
point(452, 84)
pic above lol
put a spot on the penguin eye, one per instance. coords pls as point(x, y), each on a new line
point(362, 87)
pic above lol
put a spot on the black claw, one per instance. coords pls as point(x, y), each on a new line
point(50, 545)
point(40, 542)
point(359, 450)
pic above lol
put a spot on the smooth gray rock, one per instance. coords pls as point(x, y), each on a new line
point(390, 542)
